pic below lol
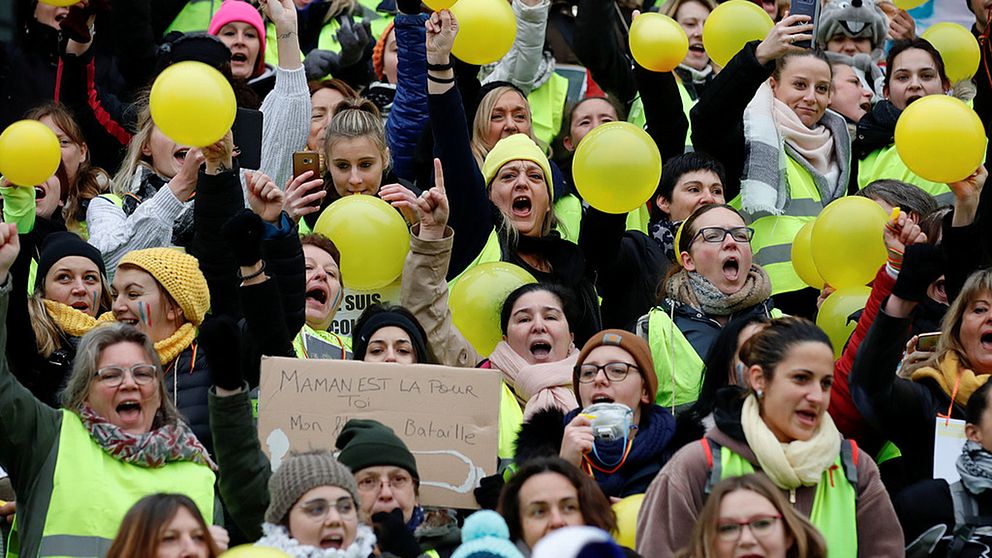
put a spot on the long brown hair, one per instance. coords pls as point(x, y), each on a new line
point(979, 283)
point(807, 541)
point(90, 181)
point(142, 527)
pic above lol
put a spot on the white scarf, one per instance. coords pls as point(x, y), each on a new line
point(815, 145)
point(277, 536)
point(795, 464)
point(539, 386)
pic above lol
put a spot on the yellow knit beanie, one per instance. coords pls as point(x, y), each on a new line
point(180, 275)
point(516, 148)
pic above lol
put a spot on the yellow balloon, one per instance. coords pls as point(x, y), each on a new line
point(251, 551)
point(837, 317)
point(802, 257)
point(958, 48)
point(60, 3)
point(616, 167)
point(192, 103)
point(486, 30)
point(847, 243)
point(438, 5)
point(372, 237)
point(909, 4)
point(658, 42)
point(940, 138)
point(730, 26)
point(476, 300)
point(29, 153)
point(627, 510)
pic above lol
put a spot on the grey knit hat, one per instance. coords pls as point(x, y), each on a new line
point(300, 473)
point(858, 19)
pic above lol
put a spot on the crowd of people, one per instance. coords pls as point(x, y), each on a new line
point(667, 356)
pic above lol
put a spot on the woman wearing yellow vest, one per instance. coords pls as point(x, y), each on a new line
point(914, 70)
point(747, 516)
point(791, 155)
point(716, 281)
point(118, 438)
point(781, 430)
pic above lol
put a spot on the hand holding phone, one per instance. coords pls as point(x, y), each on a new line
point(810, 8)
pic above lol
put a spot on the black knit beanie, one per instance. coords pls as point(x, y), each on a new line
point(387, 318)
point(63, 244)
point(369, 443)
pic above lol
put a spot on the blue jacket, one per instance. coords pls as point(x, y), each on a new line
point(409, 114)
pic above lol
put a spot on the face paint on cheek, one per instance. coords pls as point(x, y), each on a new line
point(96, 296)
point(337, 299)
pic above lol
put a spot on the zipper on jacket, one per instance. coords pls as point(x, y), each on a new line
point(792, 495)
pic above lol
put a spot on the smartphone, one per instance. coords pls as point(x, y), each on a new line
point(927, 341)
point(809, 8)
point(247, 132)
point(304, 161)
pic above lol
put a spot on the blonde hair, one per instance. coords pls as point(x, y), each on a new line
point(670, 7)
point(48, 334)
point(357, 118)
point(134, 158)
point(978, 283)
point(480, 124)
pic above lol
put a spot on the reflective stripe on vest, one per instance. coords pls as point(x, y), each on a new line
point(678, 367)
point(547, 105)
point(91, 492)
point(835, 507)
point(568, 212)
point(636, 114)
point(886, 163)
point(773, 234)
point(195, 16)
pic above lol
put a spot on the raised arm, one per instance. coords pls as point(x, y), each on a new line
point(407, 118)
point(599, 43)
point(521, 65)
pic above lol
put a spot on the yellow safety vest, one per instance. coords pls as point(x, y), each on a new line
point(303, 349)
point(835, 507)
point(678, 367)
point(195, 16)
point(511, 417)
point(547, 105)
point(568, 211)
point(491, 252)
point(92, 490)
point(886, 163)
point(636, 114)
point(773, 234)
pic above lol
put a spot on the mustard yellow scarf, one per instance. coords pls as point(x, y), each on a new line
point(77, 324)
point(956, 380)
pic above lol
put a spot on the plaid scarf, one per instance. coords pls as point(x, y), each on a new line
point(153, 449)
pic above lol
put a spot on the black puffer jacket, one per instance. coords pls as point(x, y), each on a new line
point(188, 380)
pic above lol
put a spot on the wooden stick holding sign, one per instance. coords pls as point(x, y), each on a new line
point(448, 417)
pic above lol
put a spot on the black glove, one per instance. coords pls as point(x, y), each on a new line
point(320, 63)
point(393, 536)
point(220, 339)
point(244, 234)
point(409, 7)
point(922, 264)
point(354, 39)
point(487, 494)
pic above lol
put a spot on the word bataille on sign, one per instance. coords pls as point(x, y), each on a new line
point(412, 428)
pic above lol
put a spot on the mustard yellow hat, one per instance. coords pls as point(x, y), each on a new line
point(180, 275)
point(515, 148)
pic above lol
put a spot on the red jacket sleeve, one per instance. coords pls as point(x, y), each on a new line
point(842, 408)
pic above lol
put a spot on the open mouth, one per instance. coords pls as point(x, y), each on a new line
point(602, 399)
point(807, 418)
point(912, 98)
point(129, 410)
point(128, 321)
point(81, 306)
point(332, 541)
point(521, 206)
point(865, 106)
point(731, 269)
point(40, 193)
point(239, 57)
point(697, 48)
point(317, 295)
point(180, 154)
point(540, 349)
point(986, 340)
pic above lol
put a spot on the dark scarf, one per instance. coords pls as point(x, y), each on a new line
point(975, 467)
point(143, 186)
point(153, 449)
point(663, 232)
point(876, 130)
point(567, 263)
point(649, 451)
point(690, 287)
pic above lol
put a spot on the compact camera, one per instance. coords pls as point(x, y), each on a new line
point(610, 421)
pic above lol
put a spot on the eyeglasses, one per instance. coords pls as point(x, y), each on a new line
point(717, 234)
point(760, 526)
point(113, 376)
point(615, 371)
point(318, 508)
point(374, 482)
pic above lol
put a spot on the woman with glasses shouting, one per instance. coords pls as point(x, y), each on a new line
point(117, 438)
point(715, 280)
point(617, 435)
point(779, 428)
point(748, 516)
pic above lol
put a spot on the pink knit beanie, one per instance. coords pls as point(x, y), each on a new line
point(238, 10)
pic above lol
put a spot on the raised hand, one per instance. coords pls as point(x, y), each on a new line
point(303, 196)
point(578, 440)
point(219, 157)
point(282, 13)
point(354, 39)
point(432, 207)
point(782, 38)
point(264, 197)
point(183, 185)
point(441, 30)
point(900, 232)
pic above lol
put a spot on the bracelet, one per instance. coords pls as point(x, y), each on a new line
point(436, 79)
point(440, 67)
point(260, 271)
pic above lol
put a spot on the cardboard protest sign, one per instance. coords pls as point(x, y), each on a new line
point(448, 417)
point(355, 302)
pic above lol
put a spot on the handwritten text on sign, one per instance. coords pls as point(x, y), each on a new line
point(448, 417)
